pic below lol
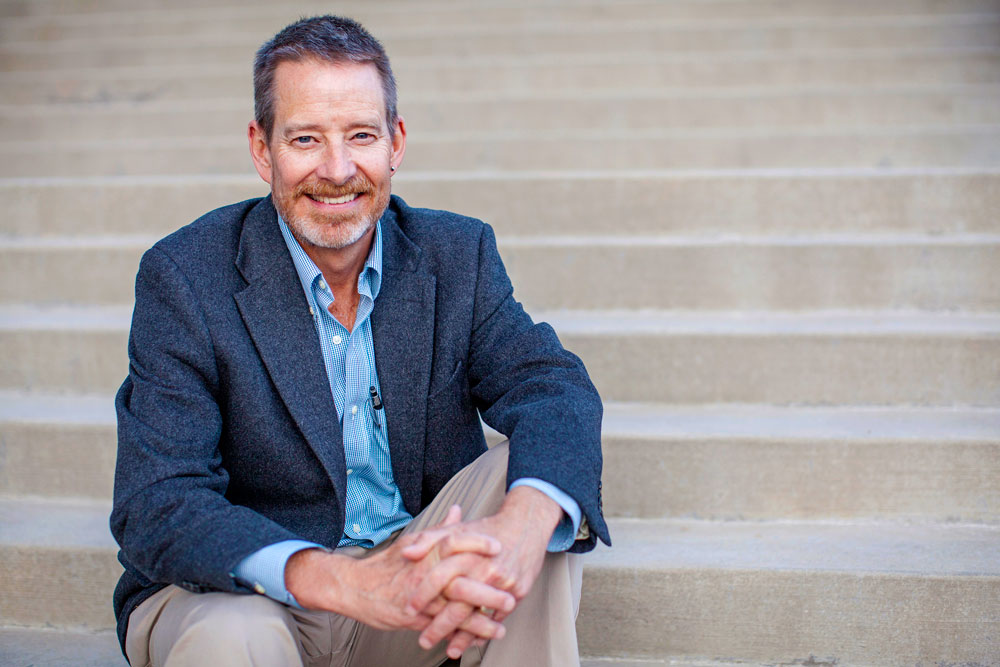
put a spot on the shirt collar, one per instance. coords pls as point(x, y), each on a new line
point(370, 280)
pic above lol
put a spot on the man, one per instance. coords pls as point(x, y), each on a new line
point(301, 418)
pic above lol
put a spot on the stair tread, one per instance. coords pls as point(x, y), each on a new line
point(858, 547)
point(14, 317)
point(648, 420)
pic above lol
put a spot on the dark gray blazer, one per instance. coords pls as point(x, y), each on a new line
point(228, 439)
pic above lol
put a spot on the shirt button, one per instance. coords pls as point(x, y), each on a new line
point(322, 285)
point(354, 409)
point(336, 340)
point(259, 589)
point(349, 471)
point(312, 311)
point(357, 528)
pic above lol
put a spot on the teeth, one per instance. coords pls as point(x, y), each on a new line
point(336, 200)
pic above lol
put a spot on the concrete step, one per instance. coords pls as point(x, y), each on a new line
point(612, 37)
point(594, 149)
point(386, 19)
point(783, 358)
point(790, 273)
point(34, 647)
point(522, 72)
point(820, 358)
point(47, 647)
point(57, 446)
point(60, 564)
point(436, 14)
point(689, 202)
point(748, 590)
point(843, 108)
point(795, 593)
point(661, 461)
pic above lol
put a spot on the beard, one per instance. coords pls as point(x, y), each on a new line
point(332, 230)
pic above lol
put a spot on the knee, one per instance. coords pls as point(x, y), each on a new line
point(236, 625)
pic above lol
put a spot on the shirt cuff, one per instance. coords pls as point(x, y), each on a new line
point(264, 570)
point(568, 527)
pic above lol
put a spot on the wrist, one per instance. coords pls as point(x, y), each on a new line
point(530, 506)
point(315, 577)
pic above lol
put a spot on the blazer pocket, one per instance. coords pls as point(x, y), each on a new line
point(455, 381)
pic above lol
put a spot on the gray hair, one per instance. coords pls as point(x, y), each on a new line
point(332, 38)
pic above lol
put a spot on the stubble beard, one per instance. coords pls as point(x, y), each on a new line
point(332, 231)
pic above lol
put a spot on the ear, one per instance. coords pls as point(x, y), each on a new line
point(398, 143)
point(259, 150)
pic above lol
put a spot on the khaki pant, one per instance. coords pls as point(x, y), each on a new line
point(175, 628)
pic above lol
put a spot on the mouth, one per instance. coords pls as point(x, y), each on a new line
point(343, 199)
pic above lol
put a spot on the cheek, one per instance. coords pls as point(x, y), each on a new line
point(290, 170)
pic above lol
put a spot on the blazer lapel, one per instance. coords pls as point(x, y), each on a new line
point(276, 313)
point(403, 334)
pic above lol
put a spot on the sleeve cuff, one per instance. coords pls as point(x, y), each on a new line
point(263, 571)
point(566, 531)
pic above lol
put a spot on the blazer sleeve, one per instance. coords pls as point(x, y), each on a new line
point(170, 514)
point(530, 388)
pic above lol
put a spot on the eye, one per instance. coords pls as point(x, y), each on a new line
point(303, 141)
point(364, 136)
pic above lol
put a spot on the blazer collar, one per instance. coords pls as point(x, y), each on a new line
point(275, 312)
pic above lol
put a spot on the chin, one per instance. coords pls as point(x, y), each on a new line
point(333, 236)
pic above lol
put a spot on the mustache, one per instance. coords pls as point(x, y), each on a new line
point(359, 183)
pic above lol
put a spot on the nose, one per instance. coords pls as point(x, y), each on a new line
point(337, 165)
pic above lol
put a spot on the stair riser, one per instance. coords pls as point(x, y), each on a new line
point(762, 478)
point(20, 56)
point(717, 478)
point(811, 369)
point(57, 460)
point(267, 16)
point(964, 149)
point(193, 83)
point(685, 276)
point(822, 368)
point(722, 203)
point(834, 111)
point(791, 617)
point(60, 587)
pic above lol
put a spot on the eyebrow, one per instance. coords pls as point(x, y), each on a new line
point(368, 123)
point(292, 129)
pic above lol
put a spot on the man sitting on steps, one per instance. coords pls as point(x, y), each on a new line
point(301, 418)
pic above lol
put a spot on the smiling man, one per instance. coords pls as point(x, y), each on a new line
point(302, 475)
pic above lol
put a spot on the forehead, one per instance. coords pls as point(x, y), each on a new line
point(316, 87)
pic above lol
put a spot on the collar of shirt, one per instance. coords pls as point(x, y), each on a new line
point(369, 281)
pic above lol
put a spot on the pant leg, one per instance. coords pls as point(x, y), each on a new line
point(542, 629)
point(175, 628)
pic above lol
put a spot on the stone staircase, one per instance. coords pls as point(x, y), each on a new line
point(770, 228)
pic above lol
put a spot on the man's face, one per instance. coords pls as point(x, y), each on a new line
point(329, 156)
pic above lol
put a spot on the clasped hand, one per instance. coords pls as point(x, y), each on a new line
point(455, 581)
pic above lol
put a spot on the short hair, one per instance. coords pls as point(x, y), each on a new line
point(332, 38)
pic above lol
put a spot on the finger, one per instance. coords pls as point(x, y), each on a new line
point(453, 517)
point(455, 615)
point(460, 641)
point(422, 544)
point(438, 577)
point(479, 543)
point(479, 624)
point(478, 594)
